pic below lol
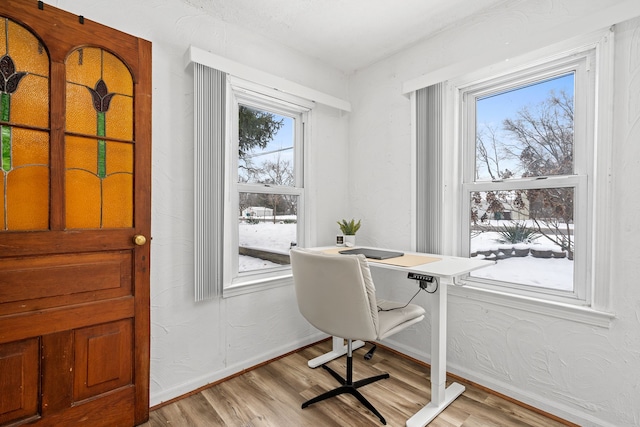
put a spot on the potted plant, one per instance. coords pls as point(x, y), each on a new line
point(349, 229)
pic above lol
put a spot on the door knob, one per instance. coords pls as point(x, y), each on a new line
point(139, 239)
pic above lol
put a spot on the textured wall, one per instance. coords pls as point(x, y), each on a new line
point(194, 344)
point(588, 374)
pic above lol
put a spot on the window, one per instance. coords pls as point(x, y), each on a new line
point(526, 143)
point(265, 217)
point(241, 190)
point(523, 157)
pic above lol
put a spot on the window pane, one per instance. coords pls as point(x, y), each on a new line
point(526, 131)
point(265, 147)
point(24, 151)
point(267, 230)
point(528, 232)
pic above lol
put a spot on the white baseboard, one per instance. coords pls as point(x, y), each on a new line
point(549, 406)
point(196, 383)
point(544, 404)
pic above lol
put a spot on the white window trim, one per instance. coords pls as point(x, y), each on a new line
point(580, 62)
point(598, 309)
point(209, 266)
point(240, 91)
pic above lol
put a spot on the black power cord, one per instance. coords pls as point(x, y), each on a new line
point(369, 354)
point(423, 287)
point(398, 308)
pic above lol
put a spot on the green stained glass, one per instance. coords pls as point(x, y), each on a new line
point(5, 106)
point(5, 134)
point(102, 147)
point(6, 148)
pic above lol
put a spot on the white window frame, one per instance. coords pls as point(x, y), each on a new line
point(591, 302)
point(583, 147)
point(243, 92)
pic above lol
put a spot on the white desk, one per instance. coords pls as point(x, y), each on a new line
point(445, 271)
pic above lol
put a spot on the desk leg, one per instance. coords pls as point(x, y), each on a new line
point(339, 349)
point(441, 397)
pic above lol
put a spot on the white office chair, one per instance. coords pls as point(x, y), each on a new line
point(336, 294)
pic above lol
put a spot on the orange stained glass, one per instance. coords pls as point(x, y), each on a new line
point(24, 151)
point(93, 201)
point(29, 104)
point(28, 204)
point(118, 119)
point(24, 47)
point(30, 148)
point(83, 199)
point(119, 158)
point(27, 189)
point(99, 103)
point(86, 67)
point(81, 117)
point(117, 201)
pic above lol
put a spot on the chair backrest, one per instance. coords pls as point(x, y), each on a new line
point(336, 293)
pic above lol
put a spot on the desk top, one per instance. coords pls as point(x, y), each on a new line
point(443, 266)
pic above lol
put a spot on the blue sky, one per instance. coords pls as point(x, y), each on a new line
point(283, 140)
point(492, 110)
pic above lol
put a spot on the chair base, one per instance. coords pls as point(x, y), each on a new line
point(350, 387)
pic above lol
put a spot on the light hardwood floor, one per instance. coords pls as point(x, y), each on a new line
point(271, 395)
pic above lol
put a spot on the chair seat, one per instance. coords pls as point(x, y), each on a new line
point(389, 322)
point(336, 294)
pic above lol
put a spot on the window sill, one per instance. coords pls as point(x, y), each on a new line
point(257, 285)
point(564, 311)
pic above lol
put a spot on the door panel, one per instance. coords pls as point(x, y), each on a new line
point(103, 358)
point(75, 176)
point(19, 380)
point(104, 275)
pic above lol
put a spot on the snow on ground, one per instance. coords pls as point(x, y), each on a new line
point(264, 235)
point(541, 272)
point(267, 235)
point(553, 273)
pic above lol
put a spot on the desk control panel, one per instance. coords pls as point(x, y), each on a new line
point(420, 277)
point(425, 281)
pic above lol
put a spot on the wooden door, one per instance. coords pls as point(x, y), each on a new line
point(75, 144)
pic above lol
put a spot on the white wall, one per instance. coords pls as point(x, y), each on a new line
point(195, 344)
point(584, 373)
point(588, 374)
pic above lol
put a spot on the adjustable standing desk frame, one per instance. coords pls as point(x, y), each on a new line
point(445, 271)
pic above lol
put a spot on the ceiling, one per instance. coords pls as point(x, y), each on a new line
point(347, 34)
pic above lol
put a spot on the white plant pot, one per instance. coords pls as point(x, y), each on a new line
point(350, 240)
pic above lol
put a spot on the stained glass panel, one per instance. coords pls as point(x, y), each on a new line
point(30, 105)
point(83, 199)
point(24, 151)
point(117, 74)
point(26, 50)
point(118, 201)
point(28, 204)
point(99, 104)
point(99, 189)
point(84, 66)
point(118, 119)
point(98, 82)
point(80, 119)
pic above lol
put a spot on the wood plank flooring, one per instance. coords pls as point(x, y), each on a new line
point(271, 395)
